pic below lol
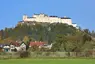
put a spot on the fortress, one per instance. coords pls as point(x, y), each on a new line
point(49, 19)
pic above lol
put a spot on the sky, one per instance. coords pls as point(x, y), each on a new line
point(82, 12)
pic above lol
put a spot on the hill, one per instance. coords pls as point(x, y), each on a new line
point(64, 37)
point(38, 31)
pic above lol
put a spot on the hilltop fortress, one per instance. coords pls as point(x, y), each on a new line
point(49, 19)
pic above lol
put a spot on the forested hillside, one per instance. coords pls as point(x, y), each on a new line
point(64, 37)
point(39, 32)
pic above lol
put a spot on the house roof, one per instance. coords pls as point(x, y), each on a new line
point(36, 43)
point(15, 43)
point(6, 47)
point(22, 43)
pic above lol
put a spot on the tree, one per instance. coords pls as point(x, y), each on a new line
point(93, 33)
point(26, 39)
point(2, 34)
point(0, 38)
point(33, 48)
point(87, 31)
point(60, 43)
point(86, 37)
point(41, 38)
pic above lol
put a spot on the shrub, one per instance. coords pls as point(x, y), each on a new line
point(24, 54)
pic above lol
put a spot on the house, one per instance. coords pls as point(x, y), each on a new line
point(16, 44)
point(36, 43)
point(12, 48)
point(23, 46)
point(6, 48)
point(40, 44)
point(13, 45)
point(46, 46)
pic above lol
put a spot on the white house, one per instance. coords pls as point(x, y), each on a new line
point(46, 46)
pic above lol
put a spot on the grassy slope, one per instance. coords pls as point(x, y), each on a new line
point(48, 61)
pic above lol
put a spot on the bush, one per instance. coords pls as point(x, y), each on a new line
point(24, 54)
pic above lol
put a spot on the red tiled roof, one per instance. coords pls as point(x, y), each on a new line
point(15, 43)
point(36, 43)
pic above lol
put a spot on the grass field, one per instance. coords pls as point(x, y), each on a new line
point(48, 61)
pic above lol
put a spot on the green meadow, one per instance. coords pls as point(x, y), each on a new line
point(48, 61)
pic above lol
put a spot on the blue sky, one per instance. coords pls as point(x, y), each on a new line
point(82, 12)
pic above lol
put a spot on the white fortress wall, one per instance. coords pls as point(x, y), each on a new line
point(49, 19)
point(74, 25)
point(54, 19)
point(67, 21)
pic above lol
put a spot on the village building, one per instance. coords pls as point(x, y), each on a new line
point(36, 43)
point(40, 44)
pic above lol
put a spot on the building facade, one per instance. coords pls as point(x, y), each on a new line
point(48, 19)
